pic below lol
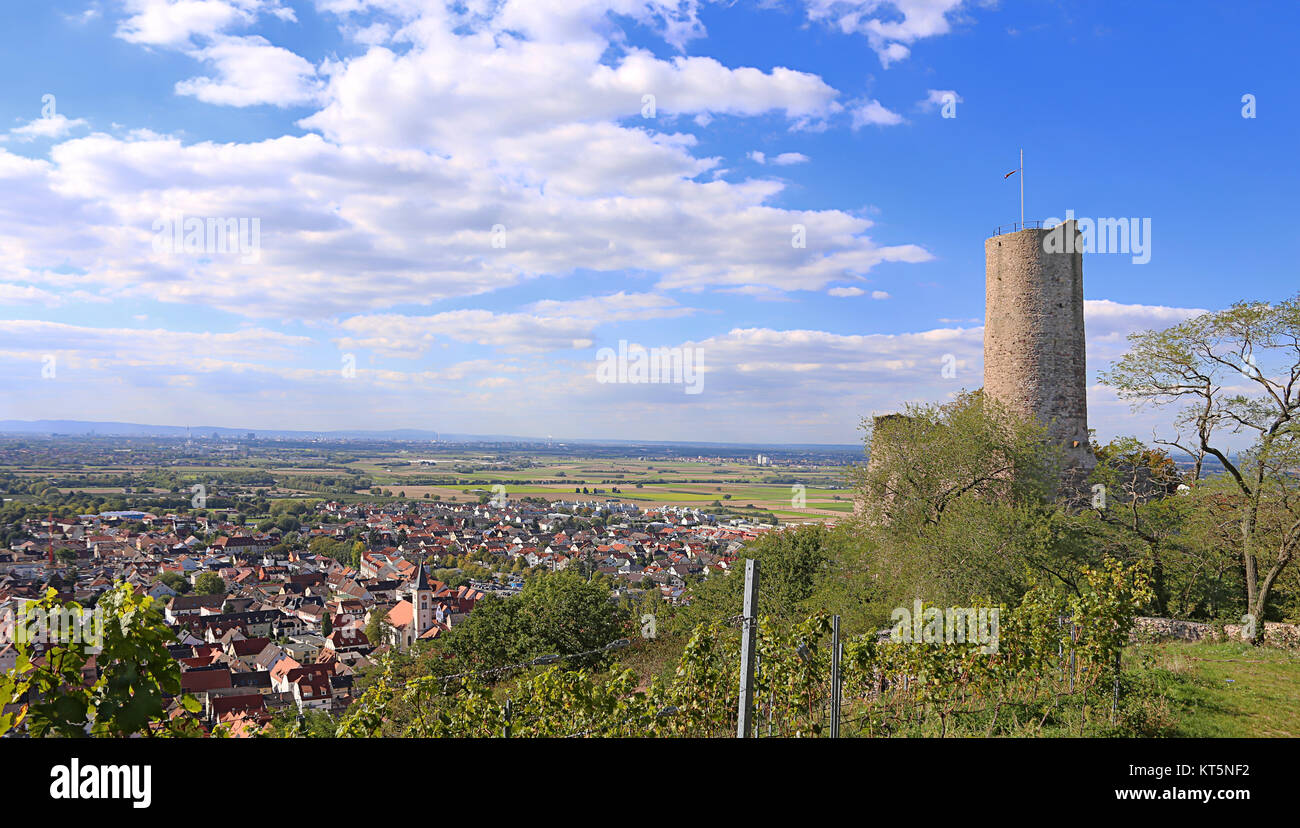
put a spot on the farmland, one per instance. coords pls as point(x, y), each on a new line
point(793, 486)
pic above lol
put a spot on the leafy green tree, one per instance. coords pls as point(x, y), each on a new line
point(136, 676)
point(555, 614)
point(959, 503)
point(794, 567)
point(1133, 516)
point(1235, 371)
point(377, 626)
point(930, 457)
point(209, 583)
point(330, 548)
point(175, 581)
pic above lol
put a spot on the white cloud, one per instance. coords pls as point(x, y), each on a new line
point(438, 126)
point(86, 15)
point(889, 25)
point(873, 113)
point(108, 347)
point(501, 116)
point(53, 126)
point(11, 294)
point(251, 71)
point(787, 158)
point(547, 325)
point(935, 98)
point(805, 385)
point(177, 23)
point(879, 294)
point(366, 228)
point(1109, 323)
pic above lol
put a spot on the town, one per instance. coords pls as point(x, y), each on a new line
point(283, 619)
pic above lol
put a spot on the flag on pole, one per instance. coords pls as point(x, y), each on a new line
point(1021, 170)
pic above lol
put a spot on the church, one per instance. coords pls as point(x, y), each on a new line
point(431, 609)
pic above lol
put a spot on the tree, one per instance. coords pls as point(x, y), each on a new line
point(555, 614)
point(209, 583)
point(1131, 484)
point(377, 625)
point(1233, 372)
point(330, 548)
point(790, 567)
point(959, 503)
point(137, 676)
point(176, 582)
point(931, 456)
point(326, 624)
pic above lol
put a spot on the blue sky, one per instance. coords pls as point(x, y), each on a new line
point(377, 142)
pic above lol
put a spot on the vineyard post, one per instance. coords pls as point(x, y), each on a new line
point(1073, 638)
point(835, 677)
point(748, 639)
point(1114, 700)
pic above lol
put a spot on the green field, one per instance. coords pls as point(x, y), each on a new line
point(680, 483)
point(734, 485)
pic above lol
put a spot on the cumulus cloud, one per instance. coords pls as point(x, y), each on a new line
point(109, 347)
point(873, 113)
point(542, 326)
point(807, 385)
point(890, 26)
point(250, 70)
point(53, 126)
point(785, 159)
point(472, 161)
point(180, 23)
point(451, 152)
point(1109, 323)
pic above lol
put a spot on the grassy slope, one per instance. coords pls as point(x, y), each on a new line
point(1231, 689)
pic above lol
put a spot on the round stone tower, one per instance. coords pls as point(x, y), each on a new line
point(1034, 353)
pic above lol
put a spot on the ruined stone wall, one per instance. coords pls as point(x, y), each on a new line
point(1278, 635)
point(1035, 361)
point(873, 504)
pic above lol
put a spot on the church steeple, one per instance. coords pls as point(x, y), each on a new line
point(421, 603)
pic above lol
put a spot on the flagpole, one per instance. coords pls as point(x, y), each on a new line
point(1022, 189)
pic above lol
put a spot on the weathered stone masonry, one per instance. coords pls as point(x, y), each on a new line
point(1035, 360)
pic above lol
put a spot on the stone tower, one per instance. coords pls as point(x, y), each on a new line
point(1034, 354)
